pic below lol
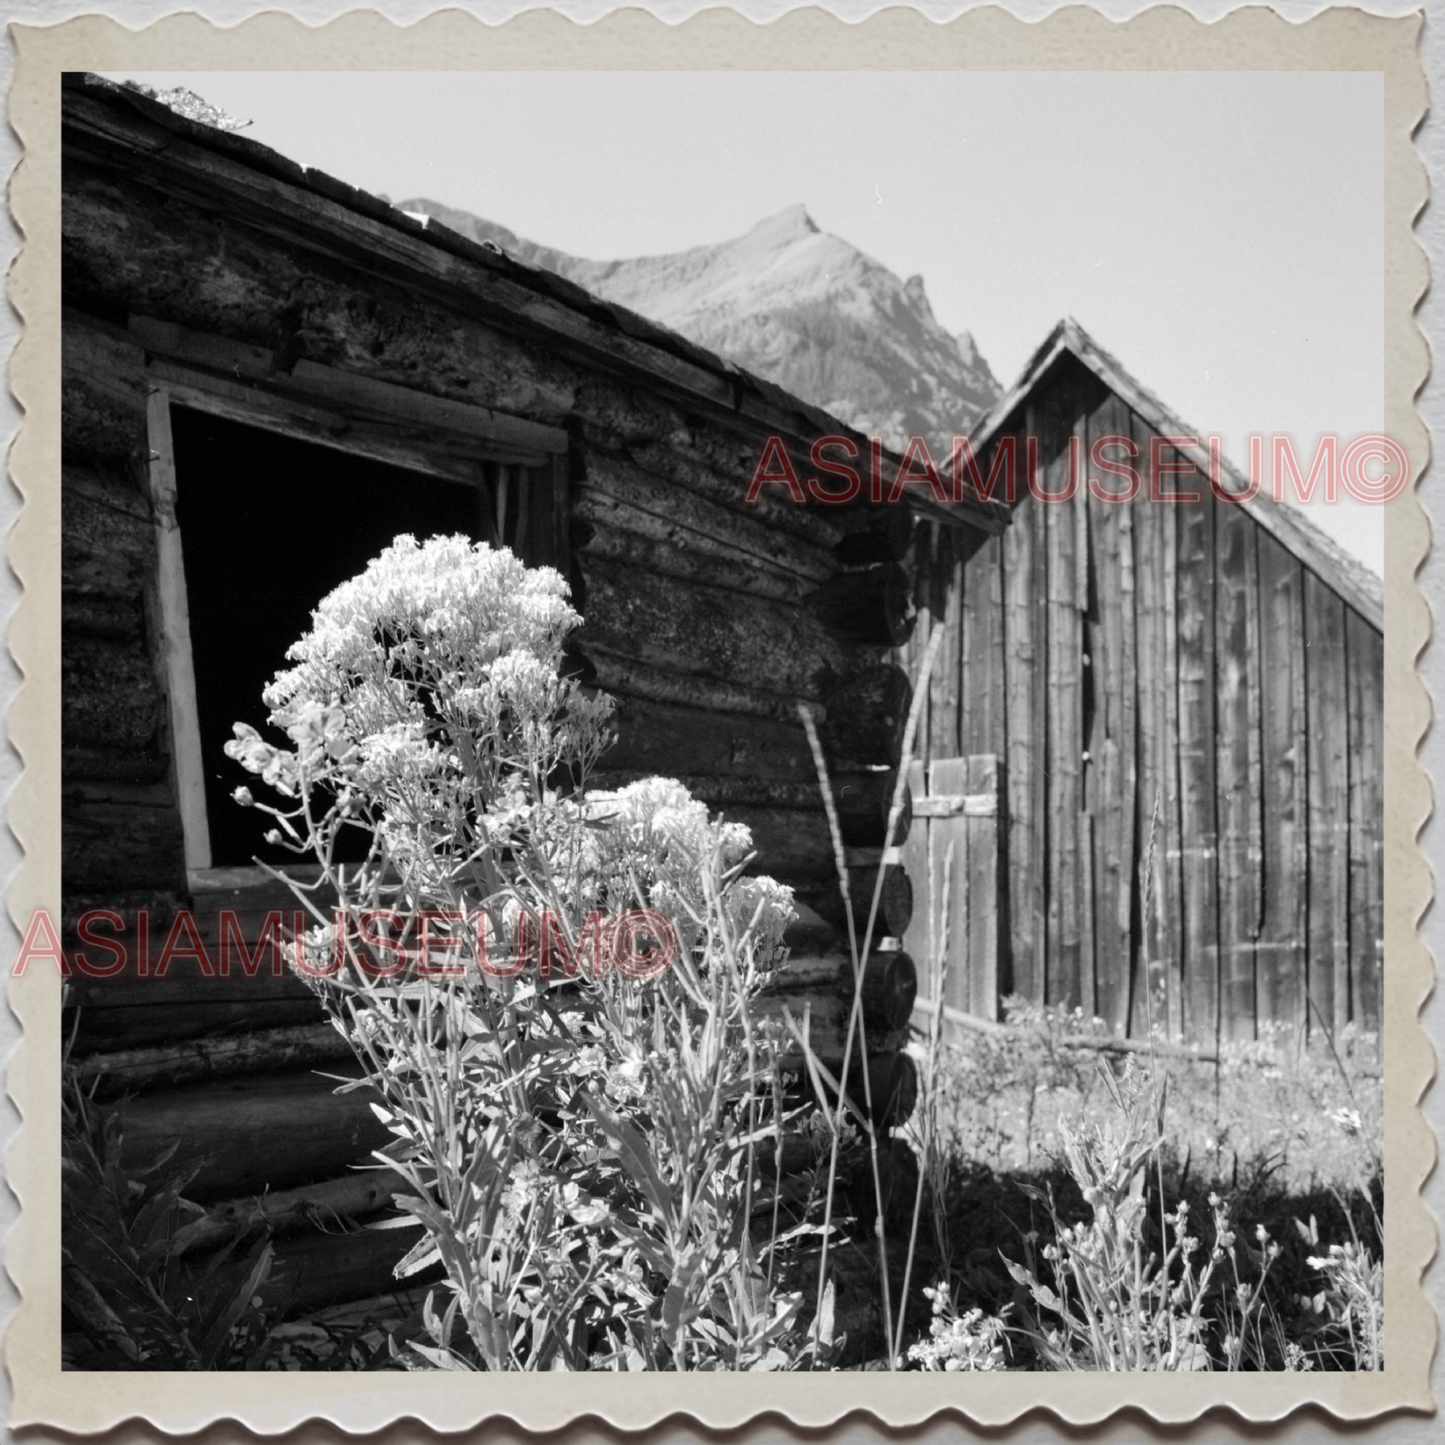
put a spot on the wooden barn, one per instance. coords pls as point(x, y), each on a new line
point(1180, 708)
point(267, 375)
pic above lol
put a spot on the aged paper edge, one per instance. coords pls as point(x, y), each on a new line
point(1075, 39)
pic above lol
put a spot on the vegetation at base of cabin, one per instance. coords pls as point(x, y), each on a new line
point(592, 1136)
point(583, 1107)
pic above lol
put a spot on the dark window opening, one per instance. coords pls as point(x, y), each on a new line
point(269, 526)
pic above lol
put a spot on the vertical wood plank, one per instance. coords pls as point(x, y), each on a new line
point(1236, 678)
point(1065, 661)
point(982, 893)
point(1170, 879)
point(1126, 903)
point(982, 702)
point(174, 660)
point(1329, 807)
point(1020, 659)
point(1040, 761)
point(948, 666)
point(951, 898)
point(1153, 978)
point(1110, 743)
point(1088, 963)
point(1198, 834)
point(1282, 945)
point(1364, 649)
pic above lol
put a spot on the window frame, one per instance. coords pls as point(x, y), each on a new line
point(324, 406)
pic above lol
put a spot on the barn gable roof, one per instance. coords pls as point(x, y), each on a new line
point(1360, 588)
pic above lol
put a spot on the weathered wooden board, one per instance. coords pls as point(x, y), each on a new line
point(695, 520)
point(229, 1130)
point(1237, 668)
point(668, 740)
point(1065, 793)
point(1110, 794)
point(1025, 656)
point(982, 916)
point(983, 693)
point(119, 846)
point(1283, 945)
point(1364, 649)
point(685, 627)
point(1327, 708)
point(1197, 771)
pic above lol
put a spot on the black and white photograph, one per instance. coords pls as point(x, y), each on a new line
point(700, 734)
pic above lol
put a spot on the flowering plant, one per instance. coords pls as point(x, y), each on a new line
point(578, 1143)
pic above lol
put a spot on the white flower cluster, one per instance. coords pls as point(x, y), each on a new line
point(655, 842)
point(426, 697)
point(971, 1341)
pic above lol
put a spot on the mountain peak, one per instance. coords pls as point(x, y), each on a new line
point(791, 224)
point(917, 297)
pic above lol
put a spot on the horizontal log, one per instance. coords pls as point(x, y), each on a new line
point(111, 765)
point(897, 1184)
point(219, 273)
point(809, 935)
point(331, 1204)
point(872, 606)
point(107, 536)
point(102, 395)
point(212, 1057)
point(109, 697)
point(692, 468)
point(254, 1132)
point(136, 1026)
point(741, 533)
point(890, 985)
point(116, 618)
point(157, 904)
point(880, 533)
point(629, 542)
point(1182, 1053)
point(322, 1270)
point(106, 845)
point(866, 718)
point(667, 740)
point(671, 623)
point(895, 908)
point(792, 844)
point(618, 672)
point(387, 1311)
point(891, 1074)
point(726, 462)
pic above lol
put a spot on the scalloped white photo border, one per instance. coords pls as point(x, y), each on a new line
point(989, 39)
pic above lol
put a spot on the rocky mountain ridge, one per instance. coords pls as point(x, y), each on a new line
point(798, 306)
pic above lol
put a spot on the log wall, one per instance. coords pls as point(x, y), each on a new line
point(1172, 690)
point(707, 618)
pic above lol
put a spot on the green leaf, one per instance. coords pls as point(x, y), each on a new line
point(631, 1149)
point(220, 1332)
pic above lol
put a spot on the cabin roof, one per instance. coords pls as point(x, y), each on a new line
point(1360, 588)
point(536, 300)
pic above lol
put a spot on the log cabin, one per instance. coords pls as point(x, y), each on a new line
point(266, 375)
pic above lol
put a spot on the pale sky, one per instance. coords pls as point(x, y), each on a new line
point(1220, 234)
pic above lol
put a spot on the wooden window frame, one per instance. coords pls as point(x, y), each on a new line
point(326, 407)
